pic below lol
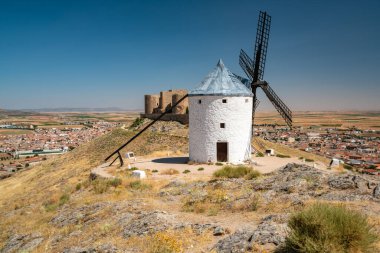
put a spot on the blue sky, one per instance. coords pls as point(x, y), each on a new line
point(323, 55)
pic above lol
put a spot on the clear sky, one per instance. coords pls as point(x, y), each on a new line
point(323, 54)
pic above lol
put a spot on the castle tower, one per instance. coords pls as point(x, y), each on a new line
point(220, 119)
point(151, 102)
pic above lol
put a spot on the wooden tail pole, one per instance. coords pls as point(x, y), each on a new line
point(117, 151)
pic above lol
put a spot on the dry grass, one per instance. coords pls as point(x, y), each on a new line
point(170, 241)
point(363, 120)
point(169, 172)
point(229, 171)
point(259, 143)
point(34, 196)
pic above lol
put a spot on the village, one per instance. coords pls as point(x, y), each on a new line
point(20, 151)
point(356, 148)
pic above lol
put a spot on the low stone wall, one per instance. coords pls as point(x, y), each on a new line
point(181, 118)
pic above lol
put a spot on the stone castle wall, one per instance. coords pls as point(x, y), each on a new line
point(155, 104)
point(151, 102)
point(181, 107)
point(181, 118)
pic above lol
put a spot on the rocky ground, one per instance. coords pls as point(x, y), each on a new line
point(218, 215)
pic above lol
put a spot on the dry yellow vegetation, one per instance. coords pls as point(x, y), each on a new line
point(28, 199)
point(261, 145)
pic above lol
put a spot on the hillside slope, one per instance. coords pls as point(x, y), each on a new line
point(27, 192)
point(54, 207)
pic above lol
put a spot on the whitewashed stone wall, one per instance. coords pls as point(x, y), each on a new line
point(205, 131)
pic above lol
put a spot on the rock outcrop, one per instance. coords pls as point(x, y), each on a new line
point(22, 243)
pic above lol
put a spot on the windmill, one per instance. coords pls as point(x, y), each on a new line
point(254, 69)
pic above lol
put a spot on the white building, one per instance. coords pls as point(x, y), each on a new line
point(220, 119)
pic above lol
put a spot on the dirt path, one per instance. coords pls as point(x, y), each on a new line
point(264, 165)
point(102, 171)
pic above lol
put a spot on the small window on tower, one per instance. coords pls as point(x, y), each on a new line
point(246, 100)
point(222, 125)
point(199, 101)
point(224, 101)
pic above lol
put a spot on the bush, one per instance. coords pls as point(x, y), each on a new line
point(236, 172)
point(102, 185)
point(253, 174)
point(164, 242)
point(250, 205)
point(78, 186)
point(186, 171)
point(115, 182)
point(329, 228)
point(138, 185)
point(201, 168)
point(53, 203)
point(347, 167)
point(309, 160)
point(50, 205)
point(64, 199)
point(219, 164)
point(154, 171)
point(283, 156)
point(138, 122)
point(259, 154)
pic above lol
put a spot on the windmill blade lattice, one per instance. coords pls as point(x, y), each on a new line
point(254, 69)
point(280, 106)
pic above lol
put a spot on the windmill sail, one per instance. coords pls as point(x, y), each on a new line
point(280, 106)
point(261, 45)
point(254, 69)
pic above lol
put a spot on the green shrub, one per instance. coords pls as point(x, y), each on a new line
point(52, 204)
point(300, 158)
point(78, 186)
point(138, 185)
point(252, 174)
point(186, 171)
point(134, 168)
point(154, 171)
point(219, 164)
point(100, 186)
point(347, 167)
point(138, 122)
point(309, 160)
point(283, 156)
point(235, 171)
point(329, 228)
point(64, 199)
point(201, 168)
point(115, 182)
point(259, 154)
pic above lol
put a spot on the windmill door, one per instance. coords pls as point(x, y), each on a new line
point(221, 151)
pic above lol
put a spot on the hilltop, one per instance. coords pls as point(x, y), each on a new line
point(54, 207)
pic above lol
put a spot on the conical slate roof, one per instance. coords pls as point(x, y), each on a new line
point(221, 82)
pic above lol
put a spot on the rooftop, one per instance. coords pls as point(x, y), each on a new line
point(221, 82)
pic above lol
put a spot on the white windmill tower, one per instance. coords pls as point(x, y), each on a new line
point(220, 119)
